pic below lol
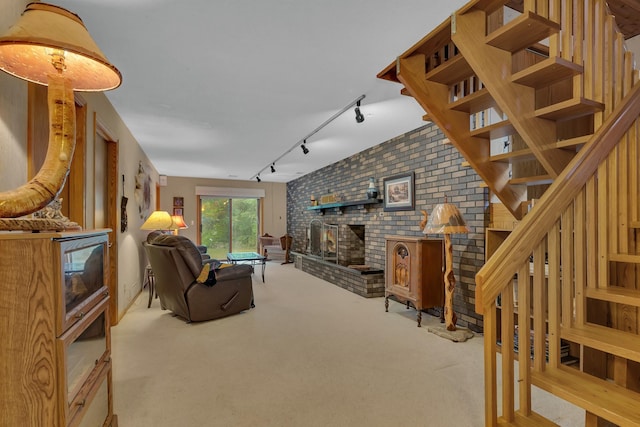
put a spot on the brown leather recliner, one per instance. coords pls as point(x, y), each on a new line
point(177, 263)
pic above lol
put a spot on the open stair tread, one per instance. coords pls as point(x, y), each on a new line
point(546, 72)
point(628, 258)
point(494, 131)
point(532, 180)
point(569, 109)
point(533, 420)
point(524, 154)
point(602, 398)
point(573, 142)
point(451, 71)
point(477, 101)
point(615, 294)
point(524, 31)
point(609, 340)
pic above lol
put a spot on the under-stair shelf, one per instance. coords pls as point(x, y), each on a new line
point(477, 101)
point(608, 340)
point(615, 294)
point(569, 109)
point(524, 154)
point(602, 398)
point(524, 31)
point(532, 180)
point(494, 131)
point(573, 142)
point(547, 72)
point(452, 71)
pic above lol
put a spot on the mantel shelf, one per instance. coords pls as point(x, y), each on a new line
point(339, 206)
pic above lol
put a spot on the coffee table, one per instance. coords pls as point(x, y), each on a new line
point(252, 258)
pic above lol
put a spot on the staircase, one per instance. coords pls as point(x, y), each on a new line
point(544, 103)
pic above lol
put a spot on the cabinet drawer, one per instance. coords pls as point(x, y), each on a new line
point(83, 351)
point(92, 407)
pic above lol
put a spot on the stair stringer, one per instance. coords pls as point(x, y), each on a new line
point(433, 97)
point(493, 66)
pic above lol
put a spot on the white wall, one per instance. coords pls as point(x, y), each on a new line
point(275, 201)
point(13, 112)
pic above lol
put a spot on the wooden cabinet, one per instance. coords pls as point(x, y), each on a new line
point(55, 346)
point(414, 272)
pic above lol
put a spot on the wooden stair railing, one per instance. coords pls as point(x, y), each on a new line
point(586, 223)
point(564, 227)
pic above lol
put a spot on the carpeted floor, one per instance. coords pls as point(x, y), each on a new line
point(309, 354)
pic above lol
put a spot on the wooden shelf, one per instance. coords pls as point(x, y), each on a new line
point(532, 180)
point(494, 131)
point(573, 142)
point(451, 71)
point(339, 206)
point(524, 31)
point(524, 154)
point(475, 102)
point(547, 72)
point(569, 109)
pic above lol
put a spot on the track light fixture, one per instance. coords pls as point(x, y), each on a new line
point(359, 116)
point(303, 142)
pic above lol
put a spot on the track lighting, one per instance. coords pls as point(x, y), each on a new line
point(303, 142)
point(359, 116)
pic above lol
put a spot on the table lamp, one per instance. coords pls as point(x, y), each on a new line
point(49, 45)
point(446, 219)
point(178, 223)
point(158, 220)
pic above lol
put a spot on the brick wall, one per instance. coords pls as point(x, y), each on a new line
point(438, 172)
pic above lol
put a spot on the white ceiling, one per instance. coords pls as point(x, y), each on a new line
point(221, 88)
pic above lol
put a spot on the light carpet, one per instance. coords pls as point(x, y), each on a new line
point(309, 354)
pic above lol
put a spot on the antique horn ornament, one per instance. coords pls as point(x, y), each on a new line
point(49, 45)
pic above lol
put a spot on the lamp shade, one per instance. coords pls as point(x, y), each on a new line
point(158, 220)
point(47, 38)
point(445, 219)
point(178, 222)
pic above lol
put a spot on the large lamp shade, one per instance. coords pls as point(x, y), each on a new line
point(158, 220)
point(44, 31)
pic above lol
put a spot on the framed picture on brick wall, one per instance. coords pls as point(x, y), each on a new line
point(399, 192)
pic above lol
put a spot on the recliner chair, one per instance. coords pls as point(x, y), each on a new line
point(177, 263)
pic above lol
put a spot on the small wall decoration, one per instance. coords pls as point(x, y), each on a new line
point(143, 191)
point(178, 202)
point(178, 211)
point(399, 192)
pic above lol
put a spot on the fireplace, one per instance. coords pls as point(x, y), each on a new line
point(342, 244)
point(336, 253)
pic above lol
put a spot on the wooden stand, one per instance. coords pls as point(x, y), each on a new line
point(413, 272)
point(55, 352)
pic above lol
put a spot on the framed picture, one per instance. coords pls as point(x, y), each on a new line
point(398, 193)
point(178, 211)
point(178, 201)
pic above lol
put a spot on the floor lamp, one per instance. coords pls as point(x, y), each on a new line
point(446, 219)
point(49, 45)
